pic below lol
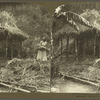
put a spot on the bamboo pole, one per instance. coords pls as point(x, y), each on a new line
point(94, 46)
point(17, 88)
point(97, 45)
point(98, 50)
point(61, 46)
point(84, 80)
point(12, 50)
point(84, 48)
point(19, 49)
point(51, 54)
point(7, 46)
point(21, 45)
point(67, 47)
point(76, 48)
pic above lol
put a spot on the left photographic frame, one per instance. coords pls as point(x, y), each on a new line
point(24, 48)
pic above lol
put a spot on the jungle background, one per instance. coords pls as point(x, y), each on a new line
point(26, 71)
point(86, 68)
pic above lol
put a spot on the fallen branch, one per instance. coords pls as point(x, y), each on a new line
point(16, 88)
point(85, 81)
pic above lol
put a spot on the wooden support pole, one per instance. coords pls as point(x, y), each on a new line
point(6, 46)
point(21, 45)
point(98, 50)
point(11, 50)
point(94, 52)
point(67, 46)
point(61, 46)
point(97, 45)
point(76, 48)
point(19, 48)
point(84, 47)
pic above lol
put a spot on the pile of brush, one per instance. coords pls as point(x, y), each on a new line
point(27, 72)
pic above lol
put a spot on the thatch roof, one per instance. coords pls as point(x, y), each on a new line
point(74, 23)
point(8, 23)
point(66, 30)
point(93, 17)
point(16, 31)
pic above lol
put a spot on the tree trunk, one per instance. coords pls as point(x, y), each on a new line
point(67, 47)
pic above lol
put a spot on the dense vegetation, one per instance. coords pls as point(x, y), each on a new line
point(35, 21)
point(31, 19)
point(85, 67)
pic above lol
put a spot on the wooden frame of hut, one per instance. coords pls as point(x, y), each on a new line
point(70, 24)
point(11, 39)
point(90, 42)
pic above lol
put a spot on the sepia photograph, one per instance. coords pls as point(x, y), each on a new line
point(24, 48)
point(76, 48)
point(44, 52)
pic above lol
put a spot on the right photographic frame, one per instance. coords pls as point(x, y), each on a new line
point(75, 48)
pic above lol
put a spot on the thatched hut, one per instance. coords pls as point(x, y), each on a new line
point(11, 37)
point(92, 37)
point(70, 24)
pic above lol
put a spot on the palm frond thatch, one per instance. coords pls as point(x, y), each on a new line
point(66, 30)
point(74, 17)
point(15, 31)
point(93, 17)
point(8, 23)
point(77, 23)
